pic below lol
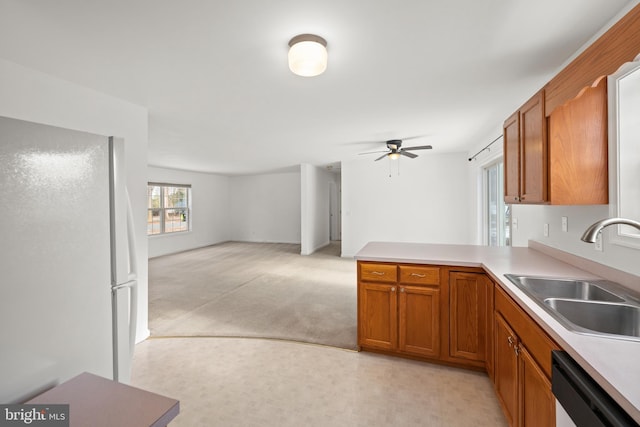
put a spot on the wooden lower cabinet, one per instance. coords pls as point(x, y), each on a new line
point(458, 316)
point(522, 366)
point(536, 400)
point(506, 369)
point(469, 316)
point(419, 315)
point(400, 318)
point(377, 316)
point(433, 312)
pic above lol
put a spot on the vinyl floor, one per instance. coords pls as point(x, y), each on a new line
point(247, 334)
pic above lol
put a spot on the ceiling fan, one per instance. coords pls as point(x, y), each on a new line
point(395, 150)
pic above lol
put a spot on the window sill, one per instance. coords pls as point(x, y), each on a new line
point(177, 233)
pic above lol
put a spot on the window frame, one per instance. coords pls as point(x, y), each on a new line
point(504, 232)
point(163, 209)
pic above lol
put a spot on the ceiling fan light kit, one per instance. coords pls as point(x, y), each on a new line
point(308, 55)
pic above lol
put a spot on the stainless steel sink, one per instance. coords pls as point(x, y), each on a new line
point(566, 288)
point(608, 318)
point(590, 307)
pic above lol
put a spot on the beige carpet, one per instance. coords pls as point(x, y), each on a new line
point(262, 290)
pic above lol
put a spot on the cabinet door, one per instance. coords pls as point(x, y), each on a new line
point(490, 327)
point(537, 402)
point(578, 169)
point(468, 315)
point(511, 136)
point(377, 314)
point(533, 146)
point(419, 317)
point(506, 368)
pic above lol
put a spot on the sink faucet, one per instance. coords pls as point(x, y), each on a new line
point(591, 233)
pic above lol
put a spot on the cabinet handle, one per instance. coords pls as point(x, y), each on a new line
point(418, 275)
point(378, 273)
point(510, 341)
point(516, 350)
point(516, 198)
point(401, 289)
point(393, 289)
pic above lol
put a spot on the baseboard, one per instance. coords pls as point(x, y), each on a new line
point(145, 335)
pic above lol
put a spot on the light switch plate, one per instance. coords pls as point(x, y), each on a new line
point(514, 223)
point(546, 230)
point(565, 224)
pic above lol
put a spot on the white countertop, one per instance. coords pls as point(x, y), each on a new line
point(613, 363)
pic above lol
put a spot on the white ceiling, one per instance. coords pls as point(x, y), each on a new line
point(214, 74)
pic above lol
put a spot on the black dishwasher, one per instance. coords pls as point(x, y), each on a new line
point(582, 398)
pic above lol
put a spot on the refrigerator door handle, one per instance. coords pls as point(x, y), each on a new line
point(133, 317)
point(131, 240)
point(132, 276)
point(132, 285)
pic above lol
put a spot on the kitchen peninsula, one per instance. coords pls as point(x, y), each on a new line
point(412, 274)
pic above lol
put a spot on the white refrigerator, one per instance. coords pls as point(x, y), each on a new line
point(67, 258)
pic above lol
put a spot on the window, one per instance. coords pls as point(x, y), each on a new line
point(497, 213)
point(168, 208)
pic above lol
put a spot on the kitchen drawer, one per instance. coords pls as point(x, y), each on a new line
point(370, 272)
point(419, 275)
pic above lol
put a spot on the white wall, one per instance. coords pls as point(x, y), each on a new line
point(315, 207)
point(476, 183)
point(27, 94)
point(209, 211)
point(265, 208)
point(430, 201)
point(531, 220)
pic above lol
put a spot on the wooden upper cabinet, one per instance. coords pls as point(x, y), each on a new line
point(578, 172)
point(533, 140)
point(620, 44)
point(577, 175)
point(525, 153)
point(511, 131)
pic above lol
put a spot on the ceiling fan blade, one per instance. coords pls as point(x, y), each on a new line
point(405, 153)
point(419, 147)
point(381, 157)
point(374, 152)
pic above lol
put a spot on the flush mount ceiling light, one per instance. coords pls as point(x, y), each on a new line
point(307, 55)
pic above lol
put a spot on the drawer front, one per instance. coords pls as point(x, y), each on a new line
point(378, 272)
point(419, 275)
